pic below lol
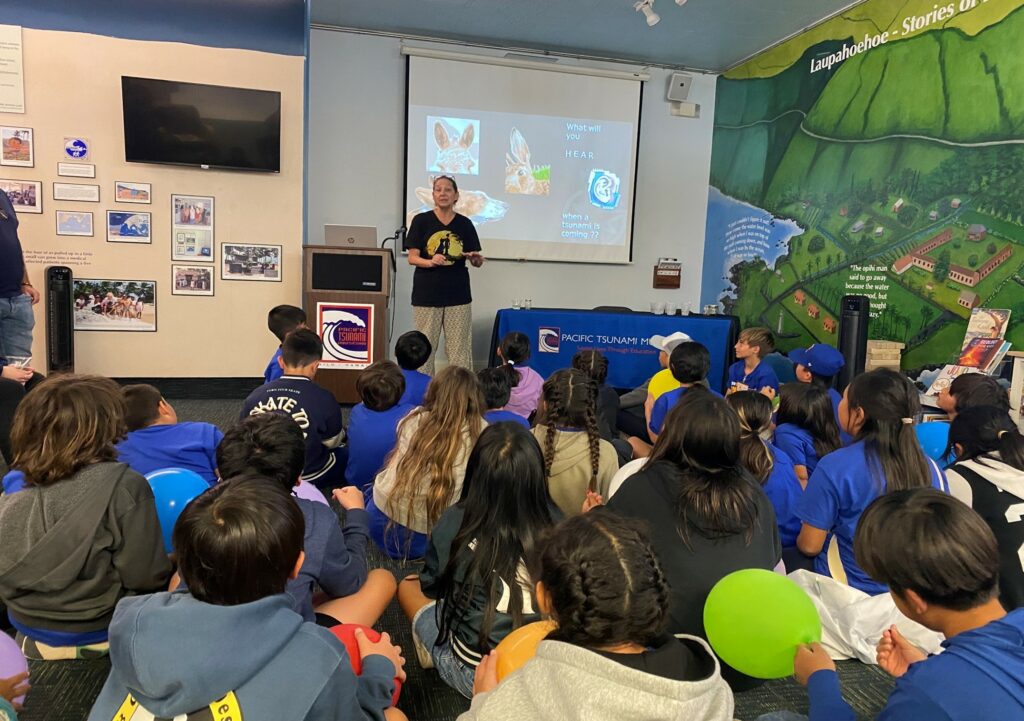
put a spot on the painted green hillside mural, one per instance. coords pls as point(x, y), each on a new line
point(880, 154)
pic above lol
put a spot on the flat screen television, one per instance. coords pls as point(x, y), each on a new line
point(209, 126)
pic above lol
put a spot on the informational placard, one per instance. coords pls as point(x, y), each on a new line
point(347, 333)
point(12, 70)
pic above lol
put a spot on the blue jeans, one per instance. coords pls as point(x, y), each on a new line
point(16, 323)
point(452, 671)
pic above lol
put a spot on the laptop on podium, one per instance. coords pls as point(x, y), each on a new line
point(350, 236)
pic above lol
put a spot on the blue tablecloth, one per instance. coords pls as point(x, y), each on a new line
point(555, 336)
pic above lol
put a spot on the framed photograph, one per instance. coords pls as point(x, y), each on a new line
point(125, 192)
point(74, 223)
point(192, 228)
point(76, 170)
point(26, 195)
point(128, 227)
point(76, 192)
point(246, 261)
point(115, 305)
point(191, 280)
point(18, 149)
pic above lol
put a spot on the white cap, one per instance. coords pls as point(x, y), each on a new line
point(668, 342)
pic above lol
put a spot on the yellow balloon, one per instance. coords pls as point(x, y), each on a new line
point(521, 645)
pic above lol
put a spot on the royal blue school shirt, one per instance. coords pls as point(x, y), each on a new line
point(273, 370)
point(835, 396)
point(371, 436)
point(312, 407)
point(756, 379)
point(12, 262)
point(499, 416)
point(415, 388)
point(838, 491)
point(666, 402)
point(192, 446)
point(798, 444)
point(783, 490)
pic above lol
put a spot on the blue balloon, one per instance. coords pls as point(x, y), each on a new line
point(933, 437)
point(173, 488)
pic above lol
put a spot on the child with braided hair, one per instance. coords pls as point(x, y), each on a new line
point(610, 656)
point(576, 458)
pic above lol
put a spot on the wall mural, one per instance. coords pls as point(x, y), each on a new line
point(881, 154)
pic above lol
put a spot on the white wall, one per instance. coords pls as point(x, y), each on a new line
point(355, 177)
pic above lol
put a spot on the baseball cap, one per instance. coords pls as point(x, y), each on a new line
point(820, 359)
point(668, 342)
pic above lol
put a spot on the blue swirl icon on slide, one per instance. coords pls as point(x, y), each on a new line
point(604, 189)
point(549, 340)
point(346, 337)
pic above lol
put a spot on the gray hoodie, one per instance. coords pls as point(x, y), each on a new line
point(568, 683)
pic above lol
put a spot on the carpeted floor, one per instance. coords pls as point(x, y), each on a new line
point(65, 690)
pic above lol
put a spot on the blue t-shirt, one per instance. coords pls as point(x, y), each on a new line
point(784, 491)
point(192, 446)
point(371, 436)
point(313, 408)
point(499, 416)
point(757, 379)
point(835, 396)
point(273, 370)
point(838, 491)
point(666, 402)
point(798, 444)
point(415, 388)
point(12, 262)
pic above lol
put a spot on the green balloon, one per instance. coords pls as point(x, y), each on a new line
point(755, 619)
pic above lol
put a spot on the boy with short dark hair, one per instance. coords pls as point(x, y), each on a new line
point(494, 383)
point(372, 425)
point(689, 364)
point(412, 351)
point(271, 446)
point(281, 320)
point(231, 645)
point(313, 408)
point(156, 439)
point(941, 563)
point(749, 373)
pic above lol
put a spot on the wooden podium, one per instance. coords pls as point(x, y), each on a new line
point(345, 275)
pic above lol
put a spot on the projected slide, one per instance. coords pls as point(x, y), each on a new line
point(537, 181)
point(535, 177)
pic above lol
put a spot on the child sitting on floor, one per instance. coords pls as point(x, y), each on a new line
point(373, 424)
point(83, 533)
point(156, 440)
point(424, 474)
point(231, 646)
point(806, 429)
point(818, 365)
point(271, 446)
point(525, 382)
point(312, 407)
point(689, 363)
point(610, 656)
point(281, 320)
point(412, 351)
point(941, 564)
point(749, 373)
point(496, 389)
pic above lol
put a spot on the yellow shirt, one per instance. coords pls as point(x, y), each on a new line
point(662, 382)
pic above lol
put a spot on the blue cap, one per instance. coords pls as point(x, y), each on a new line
point(820, 359)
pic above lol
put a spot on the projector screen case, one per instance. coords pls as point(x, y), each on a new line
point(545, 161)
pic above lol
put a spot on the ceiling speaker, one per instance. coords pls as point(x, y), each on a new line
point(679, 87)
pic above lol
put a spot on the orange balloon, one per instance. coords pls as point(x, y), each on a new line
point(521, 645)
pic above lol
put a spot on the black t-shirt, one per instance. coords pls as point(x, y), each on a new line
point(443, 285)
point(669, 657)
point(12, 264)
point(1003, 513)
point(693, 570)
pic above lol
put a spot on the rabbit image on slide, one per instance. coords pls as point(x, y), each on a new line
point(476, 205)
point(520, 175)
point(453, 155)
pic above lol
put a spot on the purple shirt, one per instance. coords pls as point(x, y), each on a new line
point(526, 395)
